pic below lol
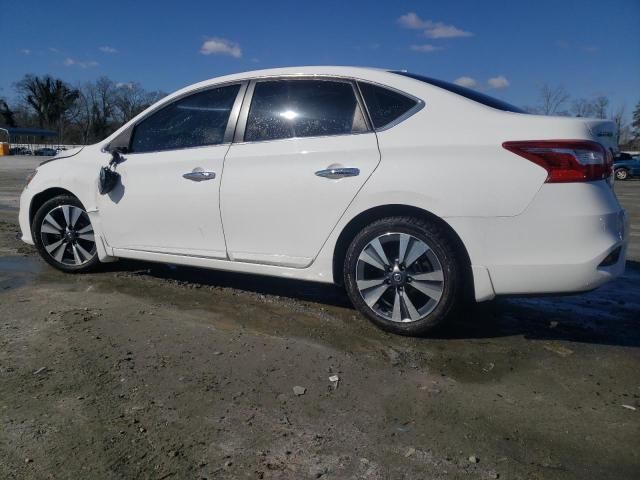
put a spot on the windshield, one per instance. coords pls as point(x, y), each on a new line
point(465, 92)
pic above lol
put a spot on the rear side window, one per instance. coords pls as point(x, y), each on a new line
point(384, 105)
point(465, 92)
point(303, 108)
point(194, 121)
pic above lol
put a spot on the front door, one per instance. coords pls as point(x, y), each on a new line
point(168, 197)
point(305, 152)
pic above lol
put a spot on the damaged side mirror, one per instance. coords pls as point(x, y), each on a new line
point(108, 177)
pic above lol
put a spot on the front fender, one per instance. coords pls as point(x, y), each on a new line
point(76, 175)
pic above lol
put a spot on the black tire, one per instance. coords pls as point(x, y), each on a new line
point(89, 262)
point(621, 174)
point(451, 265)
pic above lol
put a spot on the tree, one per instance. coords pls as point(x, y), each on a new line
point(98, 108)
point(131, 99)
point(8, 116)
point(635, 123)
point(623, 132)
point(49, 98)
point(600, 106)
point(552, 98)
point(582, 107)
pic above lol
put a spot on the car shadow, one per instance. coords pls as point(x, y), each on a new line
point(323, 293)
point(608, 315)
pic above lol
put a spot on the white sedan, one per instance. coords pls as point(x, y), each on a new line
point(412, 193)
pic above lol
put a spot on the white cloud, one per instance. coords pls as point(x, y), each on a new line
point(221, 46)
point(426, 48)
point(107, 49)
point(498, 82)
point(413, 21)
point(88, 64)
point(466, 82)
point(442, 30)
point(53, 50)
point(127, 85)
point(26, 51)
point(431, 29)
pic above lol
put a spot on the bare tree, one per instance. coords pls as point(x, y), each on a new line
point(99, 106)
point(623, 131)
point(582, 107)
point(553, 99)
point(131, 99)
point(600, 106)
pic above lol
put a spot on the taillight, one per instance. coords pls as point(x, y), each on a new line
point(566, 160)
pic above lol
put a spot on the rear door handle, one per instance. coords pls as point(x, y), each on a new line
point(199, 175)
point(338, 172)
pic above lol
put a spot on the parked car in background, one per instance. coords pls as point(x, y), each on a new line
point(626, 166)
point(20, 151)
point(412, 193)
point(45, 152)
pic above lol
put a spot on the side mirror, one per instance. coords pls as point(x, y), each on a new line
point(116, 157)
point(119, 150)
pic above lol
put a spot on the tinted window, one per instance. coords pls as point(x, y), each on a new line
point(466, 92)
point(303, 108)
point(194, 121)
point(384, 105)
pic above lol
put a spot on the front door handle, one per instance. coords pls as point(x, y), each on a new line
point(338, 172)
point(199, 175)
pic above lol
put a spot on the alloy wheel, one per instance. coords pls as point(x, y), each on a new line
point(400, 277)
point(67, 235)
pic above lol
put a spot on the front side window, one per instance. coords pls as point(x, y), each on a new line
point(384, 105)
point(303, 108)
point(194, 121)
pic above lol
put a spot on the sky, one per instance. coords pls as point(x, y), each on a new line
point(507, 49)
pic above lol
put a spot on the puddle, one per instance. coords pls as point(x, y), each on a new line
point(17, 271)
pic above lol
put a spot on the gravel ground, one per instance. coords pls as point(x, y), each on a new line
point(152, 371)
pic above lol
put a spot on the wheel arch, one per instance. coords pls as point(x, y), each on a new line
point(366, 217)
point(40, 198)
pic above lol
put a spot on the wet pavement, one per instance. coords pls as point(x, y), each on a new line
point(153, 371)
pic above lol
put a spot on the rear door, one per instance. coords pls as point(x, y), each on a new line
point(302, 151)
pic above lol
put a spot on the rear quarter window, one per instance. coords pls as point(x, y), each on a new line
point(385, 106)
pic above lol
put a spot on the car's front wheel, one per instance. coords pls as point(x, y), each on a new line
point(621, 174)
point(404, 274)
point(64, 236)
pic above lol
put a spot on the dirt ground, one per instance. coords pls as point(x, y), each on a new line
point(153, 371)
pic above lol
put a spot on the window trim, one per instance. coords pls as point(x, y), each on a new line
point(229, 130)
point(238, 138)
point(420, 104)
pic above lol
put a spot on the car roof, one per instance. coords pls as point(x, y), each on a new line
point(337, 70)
point(369, 73)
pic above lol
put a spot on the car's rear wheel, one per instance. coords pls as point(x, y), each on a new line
point(404, 274)
point(621, 174)
point(63, 234)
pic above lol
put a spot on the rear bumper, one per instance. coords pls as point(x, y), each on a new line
point(558, 245)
